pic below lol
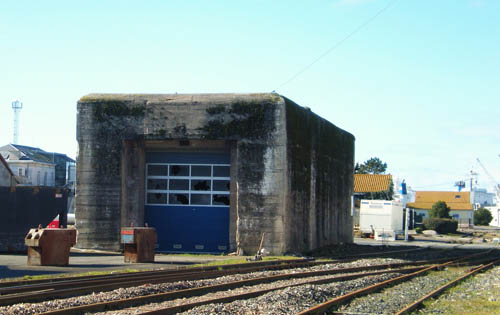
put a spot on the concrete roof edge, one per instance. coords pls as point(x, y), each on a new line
point(199, 97)
point(287, 100)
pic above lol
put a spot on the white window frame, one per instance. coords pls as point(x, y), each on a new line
point(189, 192)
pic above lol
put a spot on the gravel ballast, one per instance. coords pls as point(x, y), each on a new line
point(479, 294)
point(122, 293)
point(32, 308)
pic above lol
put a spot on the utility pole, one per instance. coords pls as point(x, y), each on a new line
point(472, 174)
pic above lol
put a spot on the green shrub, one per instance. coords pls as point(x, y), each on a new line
point(419, 230)
point(441, 226)
point(482, 216)
point(440, 210)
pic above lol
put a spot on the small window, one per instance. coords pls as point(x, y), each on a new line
point(200, 199)
point(221, 200)
point(200, 184)
point(157, 184)
point(179, 184)
point(457, 196)
point(221, 185)
point(178, 199)
point(201, 171)
point(179, 170)
point(20, 172)
point(157, 170)
point(157, 198)
point(221, 171)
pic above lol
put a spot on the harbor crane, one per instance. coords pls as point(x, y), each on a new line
point(497, 186)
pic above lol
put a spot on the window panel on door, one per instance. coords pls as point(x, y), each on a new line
point(184, 184)
point(200, 184)
point(178, 199)
point(221, 185)
point(220, 200)
point(157, 170)
point(157, 184)
point(221, 171)
point(179, 184)
point(201, 170)
point(157, 198)
point(179, 170)
point(200, 199)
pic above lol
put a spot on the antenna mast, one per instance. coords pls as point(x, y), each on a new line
point(16, 106)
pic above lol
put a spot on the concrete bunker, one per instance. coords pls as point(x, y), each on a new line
point(212, 172)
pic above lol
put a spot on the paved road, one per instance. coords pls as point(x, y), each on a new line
point(425, 243)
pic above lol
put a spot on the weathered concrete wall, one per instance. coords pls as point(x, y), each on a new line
point(115, 131)
point(320, 168)
point(23, 208)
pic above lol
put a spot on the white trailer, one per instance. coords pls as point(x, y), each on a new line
point(381, 217)
point(495, 213)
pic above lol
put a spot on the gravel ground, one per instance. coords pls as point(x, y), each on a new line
point(285, 301)
point(477, 295)
point(32, 308)
point(393, 299)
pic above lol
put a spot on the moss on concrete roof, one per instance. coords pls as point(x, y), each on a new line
point(174, 98)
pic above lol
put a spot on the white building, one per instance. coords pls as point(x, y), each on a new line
point(33, 173)
point(30, 166)
point(461, 209)
point(481, 198)
point(495, 213)
point(7, 178)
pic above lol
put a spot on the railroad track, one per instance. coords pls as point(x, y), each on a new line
point(268, 263)
point(12, 293)
point(332, 306)
point(110, 282)
point(48, 291)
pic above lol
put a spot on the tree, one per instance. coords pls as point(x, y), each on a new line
point(382, 195)
point(371, 166)
point(440, 210)
point(482, 216)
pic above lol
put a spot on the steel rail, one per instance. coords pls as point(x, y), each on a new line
point(452, 283)
point(323, 307)
point(73, 288)
point(71, 283)
point(343, 259)
point(6, 284)
point(132, 302)
point(7, 294)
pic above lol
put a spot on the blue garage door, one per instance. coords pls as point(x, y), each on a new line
point(187, 201)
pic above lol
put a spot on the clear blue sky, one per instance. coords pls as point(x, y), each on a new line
point(418, 86)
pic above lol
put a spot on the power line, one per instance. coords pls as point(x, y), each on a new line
point(435, 185)
point(337, 44)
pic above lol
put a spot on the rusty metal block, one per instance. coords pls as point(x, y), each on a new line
point(49, 247)
point(138, 244)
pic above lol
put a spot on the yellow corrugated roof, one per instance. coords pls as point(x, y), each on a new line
point(446, 196)
point(364, 183)
point(454, 200)
point(428, 205)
